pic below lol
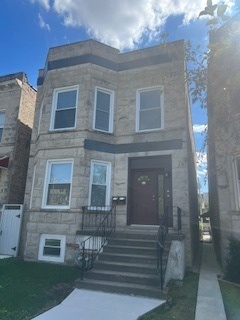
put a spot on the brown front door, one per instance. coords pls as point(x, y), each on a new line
point(146, 196)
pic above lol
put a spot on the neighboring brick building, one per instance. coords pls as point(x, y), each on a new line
point(110, 124)
point(224, 135)
point(17, 105)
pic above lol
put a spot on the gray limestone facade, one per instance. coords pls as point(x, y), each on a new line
point(17, 105)
point(109, 124)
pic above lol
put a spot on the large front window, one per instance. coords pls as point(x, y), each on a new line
point(58, 184)
point(103, 113)
point(64, 108)
point(150, 109)
point(2, 121)
point(100, 184)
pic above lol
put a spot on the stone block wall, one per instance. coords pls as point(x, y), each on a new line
point(124, 74)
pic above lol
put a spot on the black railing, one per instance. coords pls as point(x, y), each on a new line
point(162, 235)
point(92, 216)
point(92, 246)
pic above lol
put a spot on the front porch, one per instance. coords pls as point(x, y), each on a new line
point(135, 259)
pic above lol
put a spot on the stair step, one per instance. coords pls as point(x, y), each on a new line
point(123, 288)
point(135, 235)
point(131, 258)
point(132, 242)
point(125, 267)
point(131, 250)
point(128, 277)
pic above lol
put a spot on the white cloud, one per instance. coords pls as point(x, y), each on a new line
point(202, 173)
point(42, 23)
point(122, 23)
point(201, 159)
point(44, 3)
point(199, 128)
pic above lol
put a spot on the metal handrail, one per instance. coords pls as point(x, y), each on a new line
point(92, 246)
point(92, 216)
point(161, 237)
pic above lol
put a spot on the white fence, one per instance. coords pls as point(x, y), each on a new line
point(10, 229)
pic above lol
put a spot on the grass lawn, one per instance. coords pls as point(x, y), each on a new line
point(184, 300)
point(29, 288)
point(231, 299)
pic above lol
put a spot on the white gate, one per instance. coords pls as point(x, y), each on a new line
point(10, 228)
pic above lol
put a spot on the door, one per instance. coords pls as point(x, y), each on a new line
point(10, 227)
point(146, 196)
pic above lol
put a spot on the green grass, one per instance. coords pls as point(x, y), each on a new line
point(29, 288)
point(231, 299)
point(183, 302)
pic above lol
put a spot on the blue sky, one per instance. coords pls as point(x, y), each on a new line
point(30, 27)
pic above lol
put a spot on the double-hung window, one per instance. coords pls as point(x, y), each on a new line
point(2, 121)
point(64, 108)
point(58, 182)
point(52, 248)
point(99, 184)
point(149, 109)
point(103, 110)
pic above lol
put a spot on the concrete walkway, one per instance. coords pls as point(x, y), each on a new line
point(91, 305)
point(209, 300)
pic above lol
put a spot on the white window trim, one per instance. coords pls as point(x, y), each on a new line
point(3, 111)
point(138, 108)
point(42, 257)
point(40, 118)
point(236, 183)
point(32, 188)
point(54, 105)
point(111, 93)
point(108, 180)
point(46, 183)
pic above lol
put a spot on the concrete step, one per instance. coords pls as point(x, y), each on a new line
point(130, 258)
point(127, 264)
point(131, 250)
point(125, 267)
point(128, 277)
point(132, 242)
point(135, 235)
point(123, 288)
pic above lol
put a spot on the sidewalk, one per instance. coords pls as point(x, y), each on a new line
point(209, 300)
point(93, 305)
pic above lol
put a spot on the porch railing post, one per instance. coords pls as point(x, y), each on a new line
point(179, 217)
point(83, 261)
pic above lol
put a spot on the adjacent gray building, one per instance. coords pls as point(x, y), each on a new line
point(224, 135)
point(17, 104)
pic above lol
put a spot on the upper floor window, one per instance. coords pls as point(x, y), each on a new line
point(2, 121)
point(99, 184)
point(103, 110)
point(64, 108)
point(149, 109)
point(58, 181)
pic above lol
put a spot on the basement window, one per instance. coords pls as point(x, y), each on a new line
point(52, 248)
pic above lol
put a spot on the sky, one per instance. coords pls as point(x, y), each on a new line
point(28, 28)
